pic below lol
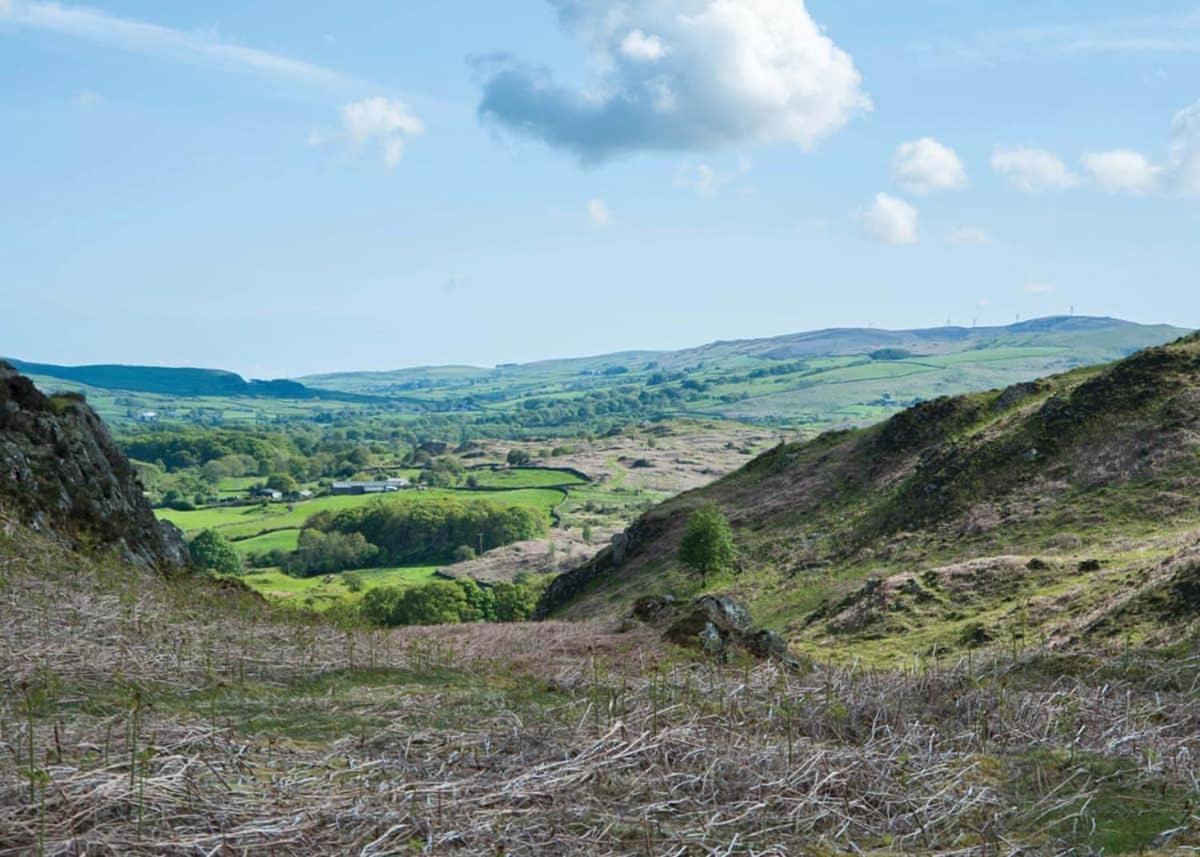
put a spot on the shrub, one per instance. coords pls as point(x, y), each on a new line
point(211, 551)
point(464, 553)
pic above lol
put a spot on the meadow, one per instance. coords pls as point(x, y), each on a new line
point(244, 524)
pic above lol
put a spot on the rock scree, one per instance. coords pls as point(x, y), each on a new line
point(62, 474)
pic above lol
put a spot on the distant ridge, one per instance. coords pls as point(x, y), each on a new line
point(175, 381)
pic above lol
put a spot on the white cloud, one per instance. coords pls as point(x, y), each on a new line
point(638, 46)
point(925, 165)
point(969, 235)
point(1122, 171)
point(707, 180)
point(1031, 170)
point(598, 213)
point(387, 121)
point(154, 40)
point(701, 74)
point(1040, 288)
point(891, 220)
point(1183, 152)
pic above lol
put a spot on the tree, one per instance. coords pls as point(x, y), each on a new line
point(513, 602)
point(517, 457)
point(211, 551)
point(464, 553)
point(707, 546)
point(282, 482)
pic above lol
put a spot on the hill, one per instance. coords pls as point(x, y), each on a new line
point(815, 379)
point(158, 714)
point(169, 381)
point(1054, 512)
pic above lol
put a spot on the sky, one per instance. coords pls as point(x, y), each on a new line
point(284, 188)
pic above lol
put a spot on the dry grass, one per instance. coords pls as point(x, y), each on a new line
point(166, 719)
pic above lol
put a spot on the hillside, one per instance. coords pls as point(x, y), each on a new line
point(815, 379)
point(1053, 512)
point(151, 714)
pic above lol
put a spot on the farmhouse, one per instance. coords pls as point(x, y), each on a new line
point(383, 486)
point(266, 493)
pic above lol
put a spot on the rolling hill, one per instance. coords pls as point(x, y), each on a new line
point(1053, 513)
point(819, 378)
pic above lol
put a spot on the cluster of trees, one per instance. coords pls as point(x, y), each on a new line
point(443, 602)
point(324, 553)
point(430, 531)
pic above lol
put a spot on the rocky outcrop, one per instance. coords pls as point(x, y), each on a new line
point(715, 625)
point(61, 473)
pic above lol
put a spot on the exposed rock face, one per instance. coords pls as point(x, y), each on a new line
point(61, 473)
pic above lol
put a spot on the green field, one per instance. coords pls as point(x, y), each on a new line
point(241, 522)
point(314, 593)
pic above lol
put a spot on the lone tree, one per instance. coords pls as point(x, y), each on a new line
point(707, 545)
point(212, 551)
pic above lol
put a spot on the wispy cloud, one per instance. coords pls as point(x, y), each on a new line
point(199, 48)
point(599, 213)
point(1144, 34)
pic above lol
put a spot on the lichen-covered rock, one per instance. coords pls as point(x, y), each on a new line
point(61, 473)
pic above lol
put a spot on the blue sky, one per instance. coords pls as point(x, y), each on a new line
point(283, 188)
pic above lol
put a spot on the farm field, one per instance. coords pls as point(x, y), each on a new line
point(321, 592)
point(263, 527)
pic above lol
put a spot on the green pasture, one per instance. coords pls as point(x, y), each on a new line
point(314, 593)
point(243, 522)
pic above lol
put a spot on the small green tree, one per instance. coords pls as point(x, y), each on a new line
point(518, 457)
point(707, 546)
point(463, 553)
point(211, 551)
point(282, 482)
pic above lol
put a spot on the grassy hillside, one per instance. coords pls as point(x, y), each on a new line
point(815, 379)
point(805, 381)
point(1041, 515)
point(144, 715)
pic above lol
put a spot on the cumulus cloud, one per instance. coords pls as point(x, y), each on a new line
point(1031, 170)
point(598, 213)
point(891, 220)
point(386, 121)
point(925, 165)
point(1122, 171)
point(682, 75)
